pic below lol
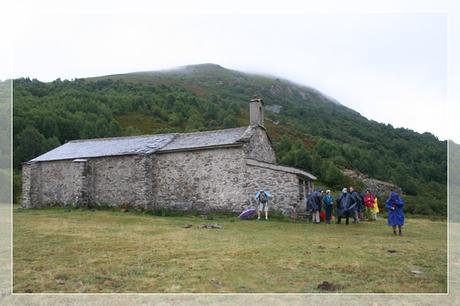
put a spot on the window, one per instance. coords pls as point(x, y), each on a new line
point(301, 189)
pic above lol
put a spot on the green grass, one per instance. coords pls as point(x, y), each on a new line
point(57, 250)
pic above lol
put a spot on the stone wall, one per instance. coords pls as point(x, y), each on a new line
point(283, 186)
point(259, 147)
point(106, 181)
point(53, 183)
point(120, 180)
point(203, 180)
point(30, 185)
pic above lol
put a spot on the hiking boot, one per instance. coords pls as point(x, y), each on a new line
point(400, 233)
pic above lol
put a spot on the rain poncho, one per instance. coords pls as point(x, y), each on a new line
point(345, 204)
point(369, 200)
point(395, 204)
point(356, 201)
point(267, 195)
point(375, 208)
point(314, 201)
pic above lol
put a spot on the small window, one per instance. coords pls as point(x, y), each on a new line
point(301, 189)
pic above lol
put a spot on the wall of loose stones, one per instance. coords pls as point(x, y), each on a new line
point(120, 180)
point(201, 180)
point(52, 183)
point(104, 181)
point(283, 186)
point(260, 148)
point(30, 190)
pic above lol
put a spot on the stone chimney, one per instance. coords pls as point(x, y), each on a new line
point(256, 111)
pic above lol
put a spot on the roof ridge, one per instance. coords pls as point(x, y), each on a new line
point(121, 137)
point(153, 135)
point(209, 131)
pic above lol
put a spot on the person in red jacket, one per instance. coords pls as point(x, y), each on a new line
point(368, 204)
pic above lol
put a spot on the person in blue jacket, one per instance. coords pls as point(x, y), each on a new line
point(395, 205)
point(262, 197)
point(328, 201)
point(316, 199)
point(345, 207)
point(356, 200)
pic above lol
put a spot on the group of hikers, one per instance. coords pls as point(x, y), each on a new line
point(350, 203)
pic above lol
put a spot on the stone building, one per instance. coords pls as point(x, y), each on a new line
point(204, 171)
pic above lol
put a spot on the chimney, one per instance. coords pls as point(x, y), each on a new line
point(256, 111)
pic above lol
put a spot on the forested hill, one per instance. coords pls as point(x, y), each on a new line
point(309, 130)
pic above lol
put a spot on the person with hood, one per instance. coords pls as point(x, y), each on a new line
point(356, 203)
point(375, 209)
point(345, 207)
point(262, 197)
point(395, 205)
point(328, 201)
point(316, 199)
point(368, 204)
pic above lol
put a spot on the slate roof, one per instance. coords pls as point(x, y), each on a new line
point(190, 141)
point(146, 144)
point(107, 147)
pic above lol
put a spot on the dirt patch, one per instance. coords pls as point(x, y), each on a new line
point(327, 286)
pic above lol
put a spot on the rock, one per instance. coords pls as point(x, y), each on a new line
point(216, 283)
point(326, 286)
point(416, 272)
point(380, 188)
point(60, 281)
point(211, 226)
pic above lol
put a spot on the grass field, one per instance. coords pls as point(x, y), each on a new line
point(57, 250)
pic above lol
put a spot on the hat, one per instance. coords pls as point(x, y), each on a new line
point(328, 191)
point(344, 190)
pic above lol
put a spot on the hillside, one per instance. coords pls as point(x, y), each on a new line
point(309, 130)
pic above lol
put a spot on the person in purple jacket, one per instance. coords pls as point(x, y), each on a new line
point(395, 205)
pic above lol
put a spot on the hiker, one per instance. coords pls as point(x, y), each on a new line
point(345, 207)
point(328, 201)
point(342, 203)
point(375, 209)
point(262, 199)
point(356, 203)
point(368, 204)
point(395, 204)
point(315, 205)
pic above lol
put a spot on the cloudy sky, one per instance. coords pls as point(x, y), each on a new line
point(391, 63)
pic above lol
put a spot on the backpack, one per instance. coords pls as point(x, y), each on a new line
point(263, 197)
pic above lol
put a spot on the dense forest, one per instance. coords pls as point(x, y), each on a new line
point(309, 130)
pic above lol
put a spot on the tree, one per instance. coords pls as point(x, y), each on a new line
point(28, 144)
point(230, 121)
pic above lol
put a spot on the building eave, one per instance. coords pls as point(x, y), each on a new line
point(253, 162)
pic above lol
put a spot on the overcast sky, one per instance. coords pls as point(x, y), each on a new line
point(391, 65)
